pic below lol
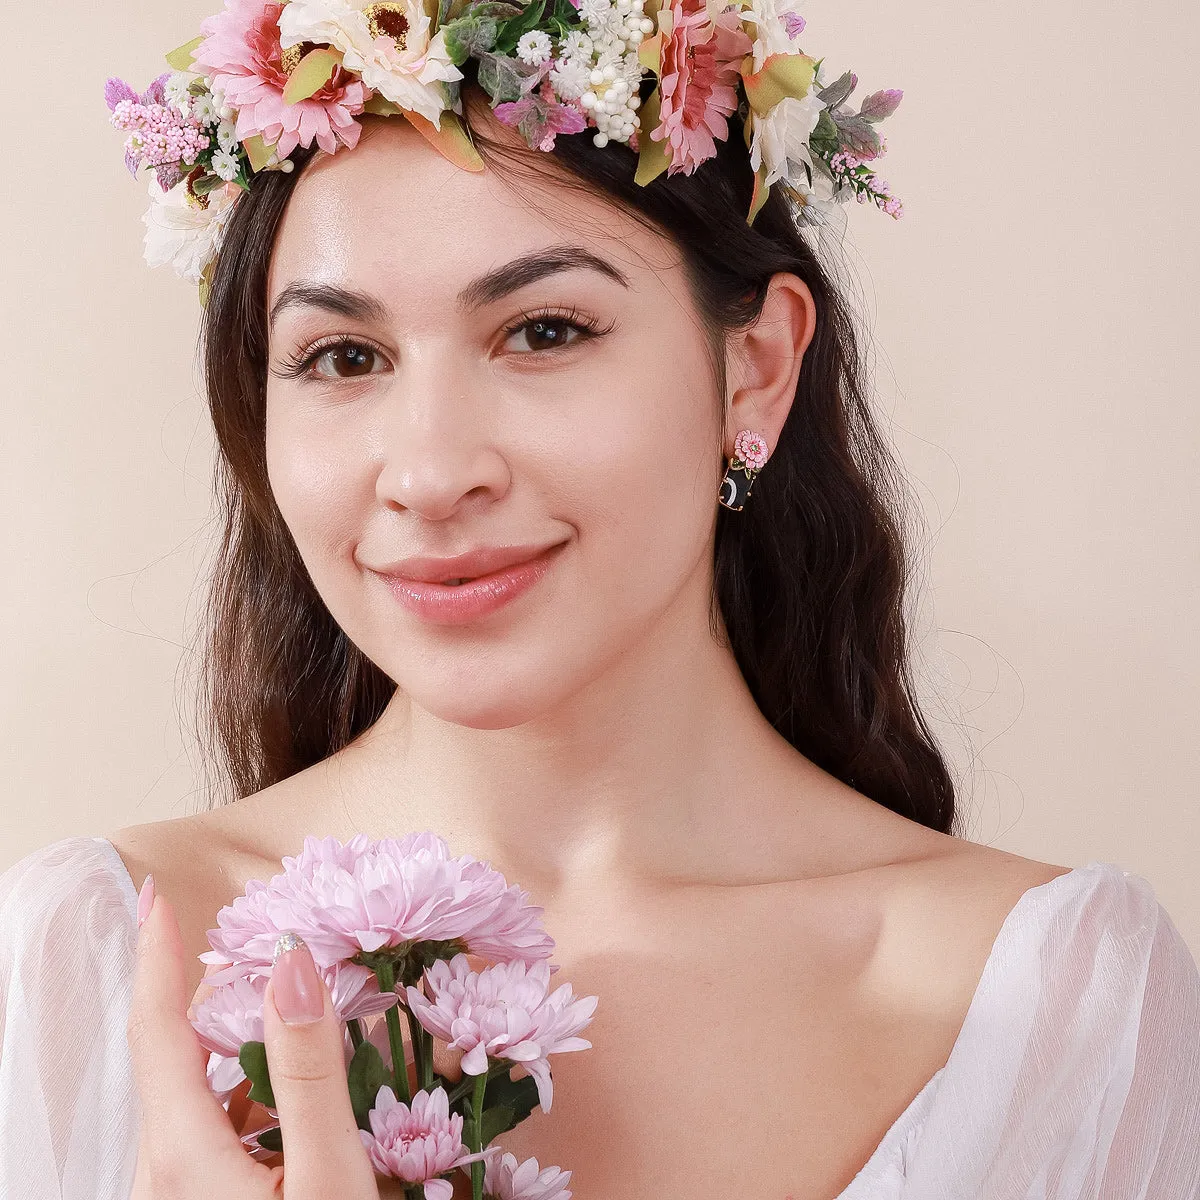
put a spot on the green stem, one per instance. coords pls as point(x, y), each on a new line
point(386, 973)
point(356, 1033)
point(477, 1136)
point(422, 1051)
point(468, 1082)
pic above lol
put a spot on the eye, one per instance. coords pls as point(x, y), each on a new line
point(347, 358)
point(551, 330)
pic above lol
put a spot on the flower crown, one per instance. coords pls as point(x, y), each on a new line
point(264, 78)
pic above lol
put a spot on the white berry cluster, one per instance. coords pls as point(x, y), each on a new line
point(600, 68)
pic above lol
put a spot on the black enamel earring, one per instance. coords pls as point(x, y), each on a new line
point(749, 454)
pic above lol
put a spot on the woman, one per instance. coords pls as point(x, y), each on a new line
point(687, 731)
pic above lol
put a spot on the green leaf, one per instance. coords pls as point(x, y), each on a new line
point(181, 57)
point(253, 1057)
point(512, 31)
point(496, 1121)
point(653, 157)
point(860, 135)
point(452, 141)
point(312, 73)
point(781, 76)
point(650, 56)
point(501, 77)
point(520, 1095)
point(207, 183)
point(381, 106)
point(824, 137)
point(837, 92)
point(271, 1139)
point(367, 1074)
point(468, 37)
point(499, 10)
point(878, 106)
point(257, 151)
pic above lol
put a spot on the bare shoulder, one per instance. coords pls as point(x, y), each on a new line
point(946, 910)
point(202, 861)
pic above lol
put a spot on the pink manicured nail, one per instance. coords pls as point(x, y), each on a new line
point(145, 900)
point(296, 988)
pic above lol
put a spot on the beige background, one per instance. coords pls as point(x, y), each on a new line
point(1036, 356)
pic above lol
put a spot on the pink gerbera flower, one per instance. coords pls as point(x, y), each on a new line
point(241, 53)
point(376, 898)
point(699, 62)
point(417, 1142)
point(503, 1011)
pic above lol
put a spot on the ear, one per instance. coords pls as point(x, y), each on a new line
point(765, 361)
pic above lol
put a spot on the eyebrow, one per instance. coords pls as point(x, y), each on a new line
point(487, 289)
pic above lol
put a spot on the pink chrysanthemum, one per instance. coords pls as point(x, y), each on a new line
point(503, 1011)
point(697, 83)
point(232, 1014)
point(417, 1142)
point(374, 896)
point(503, 1179)
point(241, 53)
point(750, 448)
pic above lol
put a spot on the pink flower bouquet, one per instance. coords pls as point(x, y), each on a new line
point(393, 926)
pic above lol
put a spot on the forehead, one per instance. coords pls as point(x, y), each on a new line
point(392, 216)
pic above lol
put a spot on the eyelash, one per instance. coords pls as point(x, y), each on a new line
point(299, 364)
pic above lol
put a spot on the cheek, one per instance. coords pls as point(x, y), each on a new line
point(311, 483)
point(641, 473)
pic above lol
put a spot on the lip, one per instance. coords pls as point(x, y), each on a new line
point(446, 604)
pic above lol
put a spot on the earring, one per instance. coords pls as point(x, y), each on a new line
point(749, 454)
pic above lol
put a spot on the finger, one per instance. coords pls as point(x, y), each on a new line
point(184, 1131)
point(322, 1151)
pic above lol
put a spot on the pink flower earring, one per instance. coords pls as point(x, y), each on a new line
point(749, 454)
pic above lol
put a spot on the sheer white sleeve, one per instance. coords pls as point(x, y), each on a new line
point(67, 936)
point(1077, 1073)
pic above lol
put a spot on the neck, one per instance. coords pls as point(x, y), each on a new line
point(647, 774)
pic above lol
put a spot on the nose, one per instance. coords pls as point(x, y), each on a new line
point(438, 447)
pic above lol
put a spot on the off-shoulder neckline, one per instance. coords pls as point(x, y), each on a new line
point(885, 1152)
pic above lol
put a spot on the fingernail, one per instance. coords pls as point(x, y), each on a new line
point(145, 900)
point(296, 988)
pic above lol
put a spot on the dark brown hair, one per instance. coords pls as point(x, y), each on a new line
point(811, 578)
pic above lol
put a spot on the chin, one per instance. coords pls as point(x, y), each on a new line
point(487, 707)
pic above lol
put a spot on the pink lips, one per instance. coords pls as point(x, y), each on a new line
point(447, 604)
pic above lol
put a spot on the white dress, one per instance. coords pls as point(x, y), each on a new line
point(1075, 1076)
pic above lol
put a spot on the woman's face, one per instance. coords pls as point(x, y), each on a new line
point(437, 416)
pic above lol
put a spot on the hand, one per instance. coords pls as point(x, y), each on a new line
point(188, 1149)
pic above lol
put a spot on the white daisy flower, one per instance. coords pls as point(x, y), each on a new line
point(225, 165)
point(780, 138)
point(534, 47)
point(203, 110)
point(594, 12)
point(570, 78)
point(610, 56)
point(227, 137)
point(387, 44)
point(632, 71)
point(175, 91)
point(181, 233)
point(576, 44)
